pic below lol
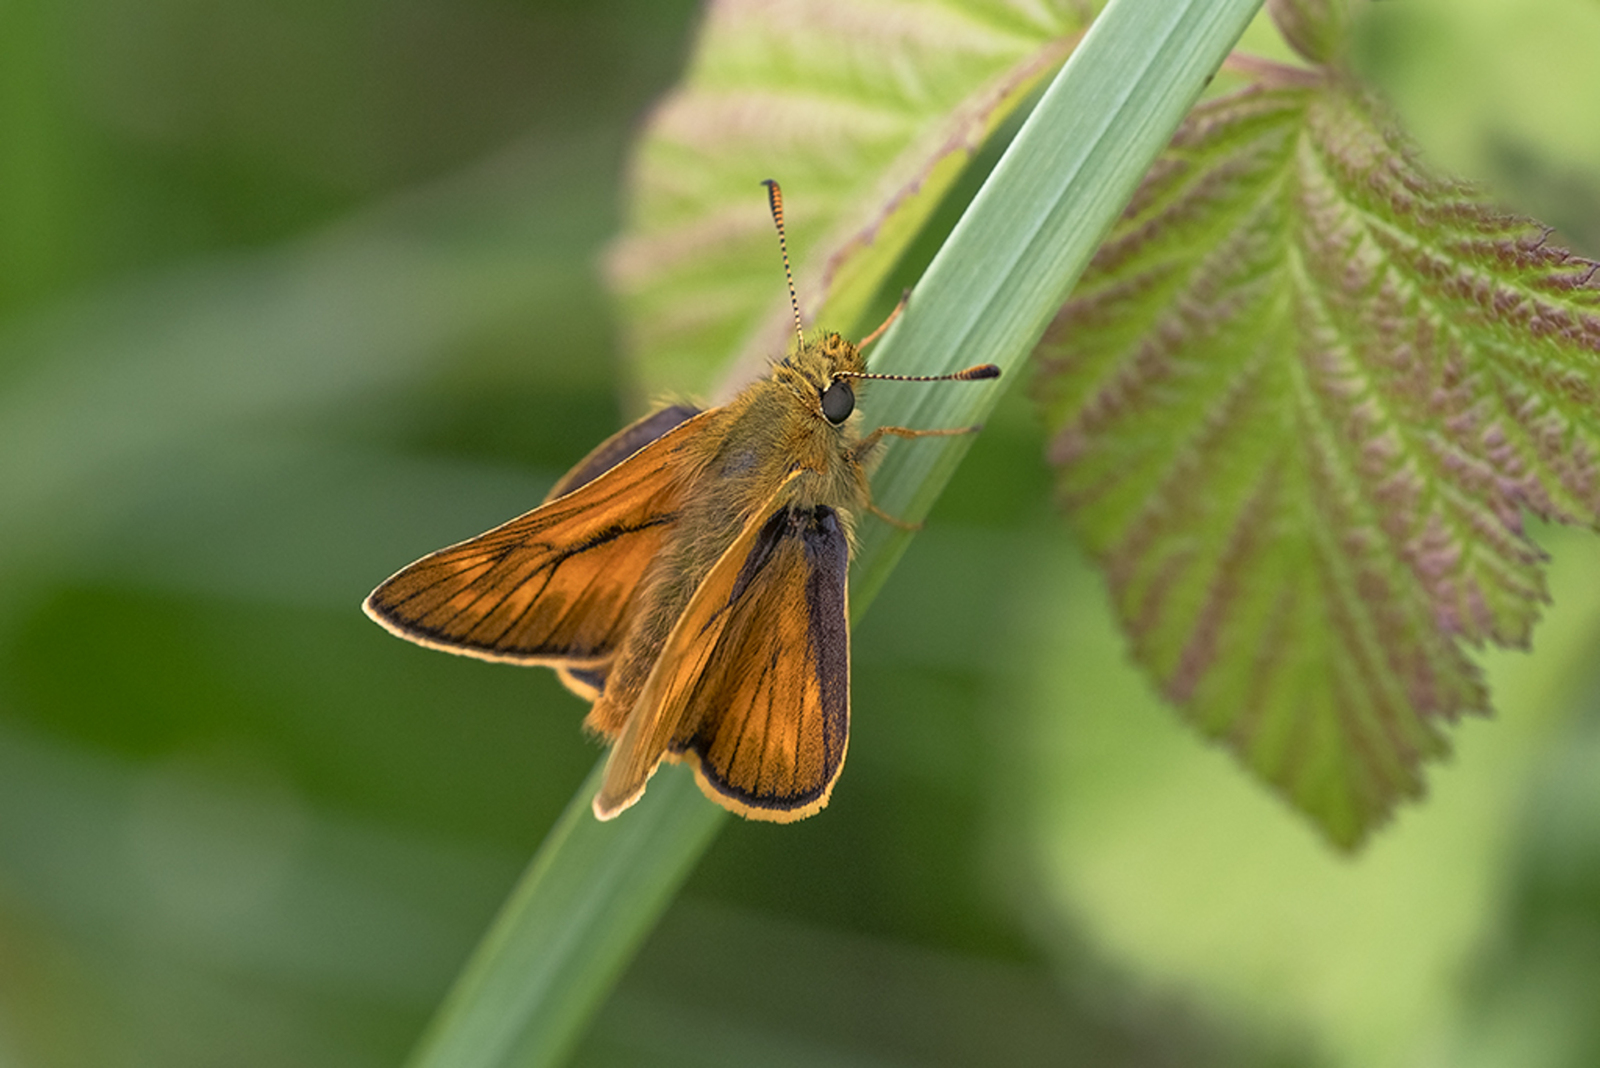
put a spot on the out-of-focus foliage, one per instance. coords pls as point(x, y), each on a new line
point(869, 111)
point(295, 292)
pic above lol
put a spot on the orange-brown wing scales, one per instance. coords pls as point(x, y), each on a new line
point(768, 718)
point(753, 684)
point(621, 445)
point(587, 681)
point(551, 585)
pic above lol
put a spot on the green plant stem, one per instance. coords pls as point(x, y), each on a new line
point(1020, 246)
point(594, 889)
point(569, 927)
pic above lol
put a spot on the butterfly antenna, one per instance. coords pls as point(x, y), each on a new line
point(971, 374)
point(775, 202)
point(883, 327)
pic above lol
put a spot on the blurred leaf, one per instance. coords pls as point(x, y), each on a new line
point(1530, 994)
point(197, 910)
point(1300, 402)
point(844, 999)
point(866, 113)
point(220, 430)
point(155, 385)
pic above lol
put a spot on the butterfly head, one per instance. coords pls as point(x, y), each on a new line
point(821, 372)
point(829, 365)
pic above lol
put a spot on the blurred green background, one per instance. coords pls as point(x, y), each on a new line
point(292, 292)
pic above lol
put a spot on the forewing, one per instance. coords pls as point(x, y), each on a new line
point(753, 685)
point(553, 586)
point(621, 445)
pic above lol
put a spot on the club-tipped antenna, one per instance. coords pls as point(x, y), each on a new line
point(775, 202)
point(971, 374)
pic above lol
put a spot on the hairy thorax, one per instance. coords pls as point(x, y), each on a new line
point(772, 440)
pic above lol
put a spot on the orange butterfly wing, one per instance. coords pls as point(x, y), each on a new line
point(621, 445)
point(753, 684)
point(589, 679)
point(553, 586)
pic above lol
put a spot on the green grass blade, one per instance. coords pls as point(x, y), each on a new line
point(570, 926)
point(1009, 264)
point(595, 889)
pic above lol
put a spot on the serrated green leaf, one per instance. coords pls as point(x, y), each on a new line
point(1300, 401)
point(865, 110)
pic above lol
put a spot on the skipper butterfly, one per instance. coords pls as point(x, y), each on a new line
point(689, 577)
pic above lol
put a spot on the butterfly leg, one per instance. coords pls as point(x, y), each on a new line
point(869, 444)
point(864, 448)
point(893, 521)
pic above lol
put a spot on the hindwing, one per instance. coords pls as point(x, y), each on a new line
point(753, 684)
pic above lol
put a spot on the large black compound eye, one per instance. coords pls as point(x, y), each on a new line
point(838, 401)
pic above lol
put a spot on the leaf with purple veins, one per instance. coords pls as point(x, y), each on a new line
point(1300, 403)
